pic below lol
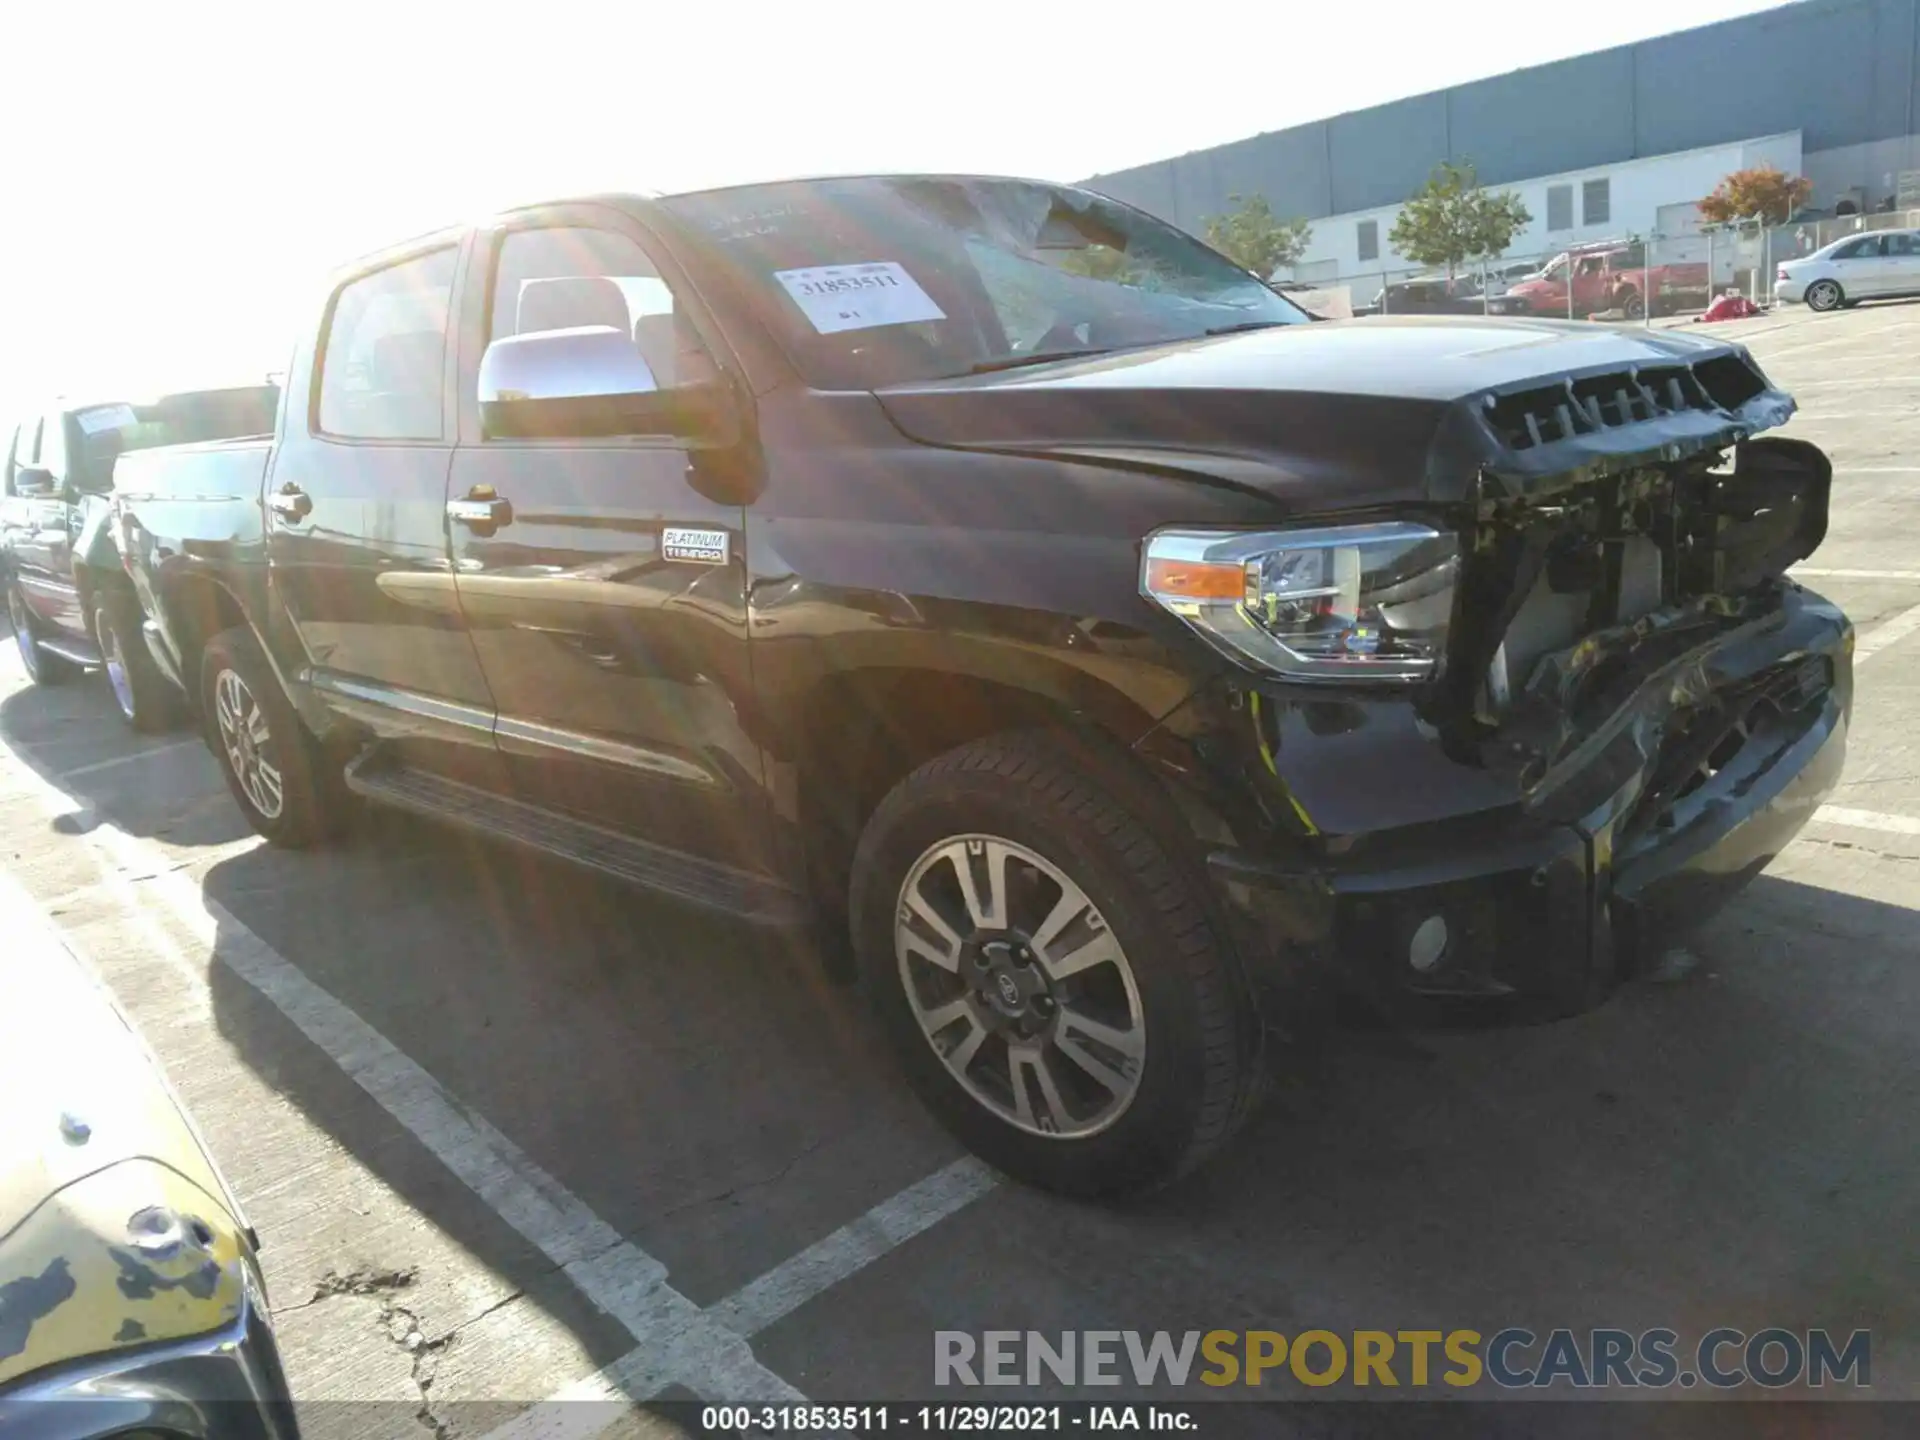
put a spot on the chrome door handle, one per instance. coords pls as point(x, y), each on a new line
point(480, 514)
point(291, 503)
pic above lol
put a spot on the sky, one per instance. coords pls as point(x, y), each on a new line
point(179, 178)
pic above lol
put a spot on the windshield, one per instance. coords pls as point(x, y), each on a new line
point(875, 281)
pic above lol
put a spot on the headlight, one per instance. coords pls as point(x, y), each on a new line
point(1346, 603)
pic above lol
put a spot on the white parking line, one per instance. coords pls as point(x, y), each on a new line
point(589, 1405)
point(1876, 469)
point(623, 1280)
point(676, 1342)
point(117, 760)
point(1815, 573)
point(1866, 820)
point(1888, 631)
point(1875, 382)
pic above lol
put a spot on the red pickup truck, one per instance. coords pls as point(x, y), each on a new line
point(1613, 277)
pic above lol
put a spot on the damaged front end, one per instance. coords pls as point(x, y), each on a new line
point(1637, 710)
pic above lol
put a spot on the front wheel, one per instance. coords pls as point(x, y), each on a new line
point(1050, 974)
point(43, 667)
point(1634, 307)
point(147, 700)
point(277, 772)
point(1825, 295)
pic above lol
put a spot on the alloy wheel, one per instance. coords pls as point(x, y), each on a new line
point(1823, 295)
point(116, 664)
point(1019, 986)
point(23, 633)
point(245, 738)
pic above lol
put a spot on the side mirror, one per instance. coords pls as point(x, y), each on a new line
point(593, 382)
point(34, 480)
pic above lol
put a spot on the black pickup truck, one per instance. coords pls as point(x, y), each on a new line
point(989, 569)
point(68, 603)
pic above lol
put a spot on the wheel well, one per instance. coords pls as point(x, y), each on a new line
point(201, 610)
point(864, 733)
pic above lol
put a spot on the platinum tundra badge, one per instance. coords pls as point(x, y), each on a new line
point(696, 547)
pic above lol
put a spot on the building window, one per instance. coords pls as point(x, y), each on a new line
point(1559, 207)
point(1369, 234)
point(1596, 202)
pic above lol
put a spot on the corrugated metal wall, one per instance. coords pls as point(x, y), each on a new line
point(1843, 72)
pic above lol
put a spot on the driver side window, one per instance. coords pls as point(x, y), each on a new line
point(571, 277)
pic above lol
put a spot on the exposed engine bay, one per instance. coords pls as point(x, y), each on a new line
point(1573, 600)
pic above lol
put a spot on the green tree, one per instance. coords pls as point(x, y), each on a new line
point(1249, 235)
point(1452, 220)
point(1764, 190)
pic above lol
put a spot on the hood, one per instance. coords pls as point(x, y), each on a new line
point(1357, 413)
point(115, 1227)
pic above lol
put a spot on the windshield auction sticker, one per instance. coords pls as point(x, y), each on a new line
point(858, 297)
point(107, 417)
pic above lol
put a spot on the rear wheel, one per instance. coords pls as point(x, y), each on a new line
point(1630, 302)
point(283, 781)
point(1825, 295)
point(147, 699)
point(1050, 973)
point(42, 665)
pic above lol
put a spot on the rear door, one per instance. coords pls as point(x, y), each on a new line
point(609, 609)
point(356, 519)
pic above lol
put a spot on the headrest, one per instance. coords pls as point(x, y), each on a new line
point(570, 302)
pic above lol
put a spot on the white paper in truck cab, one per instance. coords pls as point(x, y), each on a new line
point(858, 297)
point(107, 417)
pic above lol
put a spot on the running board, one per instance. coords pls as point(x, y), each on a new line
point(76, 651)
point(706, 883)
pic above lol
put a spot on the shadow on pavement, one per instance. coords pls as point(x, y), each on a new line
point(702, 1087)
point(159, 787)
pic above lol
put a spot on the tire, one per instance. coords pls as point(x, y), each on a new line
point(147, 699)
point(43, 667)
point(302, 801)
point(1181, 1041)
point(1825, 295)
point(1631, 303)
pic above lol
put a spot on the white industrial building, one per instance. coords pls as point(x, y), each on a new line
point(1655, 196)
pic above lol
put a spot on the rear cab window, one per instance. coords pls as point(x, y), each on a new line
point(382, 364)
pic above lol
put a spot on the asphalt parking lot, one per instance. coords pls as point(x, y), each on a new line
point(510, 1133)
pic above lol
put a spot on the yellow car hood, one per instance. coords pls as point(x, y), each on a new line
point(115, 1227)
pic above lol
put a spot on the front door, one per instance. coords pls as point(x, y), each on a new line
point(608, 601)
point(1859, 268)
point(356, 522)
point(1900, 254)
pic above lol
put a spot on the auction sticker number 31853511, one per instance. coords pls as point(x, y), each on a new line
point(858, 297)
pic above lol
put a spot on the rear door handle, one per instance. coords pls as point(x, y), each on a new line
point(482, 515)
point(290, 502)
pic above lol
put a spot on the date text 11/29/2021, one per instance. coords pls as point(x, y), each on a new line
point(908, 1418)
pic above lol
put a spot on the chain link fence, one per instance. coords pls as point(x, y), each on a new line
point(1632, 278)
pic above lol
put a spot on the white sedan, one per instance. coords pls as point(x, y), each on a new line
point(1873, 266)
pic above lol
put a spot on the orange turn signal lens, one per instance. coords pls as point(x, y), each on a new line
point(1196, 580)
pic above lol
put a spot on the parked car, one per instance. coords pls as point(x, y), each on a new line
point(1606, 278)
point(1879, 265)
point(68, 602)
point(1429, 295)
point(988, 569)
point(130, 1288)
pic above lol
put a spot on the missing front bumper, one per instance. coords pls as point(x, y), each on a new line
point(1559, 898)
